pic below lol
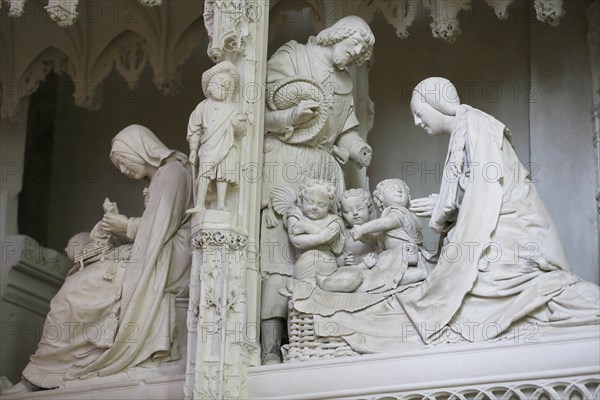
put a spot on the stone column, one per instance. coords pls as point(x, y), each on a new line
point(223, 316)
point(12, 154)
point(593, 14)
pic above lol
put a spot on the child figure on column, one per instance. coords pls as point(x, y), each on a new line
point(212, 131)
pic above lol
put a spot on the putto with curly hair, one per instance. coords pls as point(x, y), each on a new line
point(311, 183)
point(378, 193)
point(363, 195)
point(345, 28)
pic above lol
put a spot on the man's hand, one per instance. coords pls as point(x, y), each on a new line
point(304, 112)
point(114, 223)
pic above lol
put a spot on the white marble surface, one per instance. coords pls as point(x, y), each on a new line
point(450, 369)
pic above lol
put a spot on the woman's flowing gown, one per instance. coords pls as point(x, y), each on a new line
point(100, 327)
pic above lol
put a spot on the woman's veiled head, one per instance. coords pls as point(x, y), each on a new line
point(433, 100)
point(136, 152)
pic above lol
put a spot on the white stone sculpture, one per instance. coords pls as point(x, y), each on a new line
point(386, 250)
point(63, 12)
point(500, 7)
point(213, 130)
point(319, 286)
point(549, 11)
point(512, 269)
point(317, 234)
point(228, 25)
point(501, 271)
point(445, 14)
point(117, 312)
point(150, 3)
point(309, 133)
point(16, 7)
point(356, 207)
point(397, 231)
point(401, 14)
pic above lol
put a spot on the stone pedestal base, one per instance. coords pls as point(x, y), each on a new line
point(168, 387)
point(563, 367)
point(159, 381)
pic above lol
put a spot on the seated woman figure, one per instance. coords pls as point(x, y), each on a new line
point(490, 213)
point(119, 311)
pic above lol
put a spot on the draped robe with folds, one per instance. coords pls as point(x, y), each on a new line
point(288, 165)
point(479, 291)
point(217, 155)
point(504, 259)
point(98, 327)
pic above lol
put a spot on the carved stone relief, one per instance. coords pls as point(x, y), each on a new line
point(135, 37)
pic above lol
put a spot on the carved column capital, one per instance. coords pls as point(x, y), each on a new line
point(220, 237)
point(227, 23)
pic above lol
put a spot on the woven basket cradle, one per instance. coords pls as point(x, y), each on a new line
point(305, 344)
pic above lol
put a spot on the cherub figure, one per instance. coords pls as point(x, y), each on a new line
point(357, 208)
point(398, 230)
point(317, 234)
point(212, 131)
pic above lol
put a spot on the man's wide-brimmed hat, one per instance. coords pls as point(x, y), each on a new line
point(289, 92)
point(222, 67)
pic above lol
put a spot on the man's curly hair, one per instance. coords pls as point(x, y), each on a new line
point(345, 28)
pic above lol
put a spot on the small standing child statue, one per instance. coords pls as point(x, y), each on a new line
point(398, 228)
point(212, 131)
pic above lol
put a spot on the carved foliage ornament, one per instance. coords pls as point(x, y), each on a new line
point(63, 12)
point(231, 240)
point(445, 14)
point(567, 389)
point(227, 24)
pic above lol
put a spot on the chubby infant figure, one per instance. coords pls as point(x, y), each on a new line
point(356, 207)
point(397, 232)
point(317, 234)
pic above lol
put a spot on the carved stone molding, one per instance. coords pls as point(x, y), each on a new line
point(218, 238)
point(123, 35)
point(564, 389)
point(223, 318)
point(444, 14)
point(218, 334)
point(63, 12)
point(564, 366)
point(227, 24)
